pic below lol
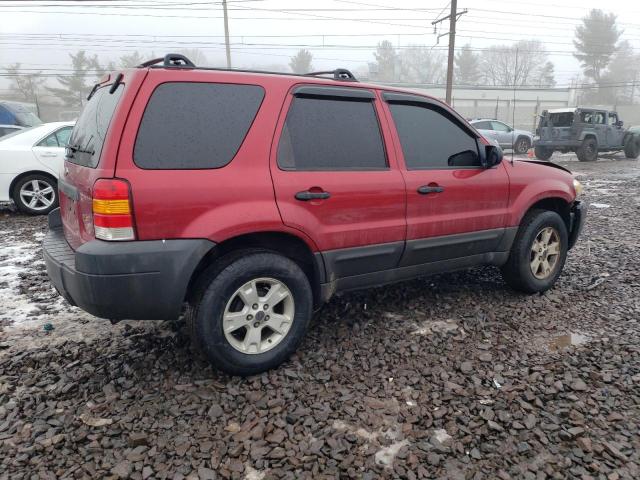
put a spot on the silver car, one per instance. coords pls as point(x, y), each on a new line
point(507, 137)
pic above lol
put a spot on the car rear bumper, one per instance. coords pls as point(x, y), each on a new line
point(142, 280)
point(578, 216)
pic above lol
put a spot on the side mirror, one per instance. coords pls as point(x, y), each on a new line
point(493, 156)
point(619, 123)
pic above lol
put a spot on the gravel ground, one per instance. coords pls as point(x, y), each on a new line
point(452, 376)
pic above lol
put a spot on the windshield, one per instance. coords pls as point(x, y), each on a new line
point(28, 119)
point(13, 134)
point(22, 114)
point(87, 138)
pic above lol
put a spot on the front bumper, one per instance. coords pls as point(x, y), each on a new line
point(138, 280)
point(578, 215)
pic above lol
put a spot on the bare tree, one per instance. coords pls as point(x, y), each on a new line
point(301, 62)
point(25, 86)
point(195, 55)
point(523, 63)
point(418, 64)
point(616, 84)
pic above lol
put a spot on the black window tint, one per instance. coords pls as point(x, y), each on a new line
point(331, 134)
point(195, 125)
point(432, 140)
point(91, 128)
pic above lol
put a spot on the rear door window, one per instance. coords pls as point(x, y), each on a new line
point(59, 138)
point(500, 127)
point(88, 135)
point(189, 125)
point(331, 133)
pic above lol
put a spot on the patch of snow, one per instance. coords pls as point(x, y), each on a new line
point(251, 473)
point(386, 456)
point(14, 261)
point(600, 205)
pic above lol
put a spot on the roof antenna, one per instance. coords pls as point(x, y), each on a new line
point(513, 116)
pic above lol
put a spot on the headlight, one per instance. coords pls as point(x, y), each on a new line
point(577, 186)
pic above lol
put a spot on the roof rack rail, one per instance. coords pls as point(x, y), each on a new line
point(338, 74)
point(172, 60)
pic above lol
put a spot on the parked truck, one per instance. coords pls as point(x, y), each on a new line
point(585, 131)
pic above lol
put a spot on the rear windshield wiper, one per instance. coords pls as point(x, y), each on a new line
point(71, 149)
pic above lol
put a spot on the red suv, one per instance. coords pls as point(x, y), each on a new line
point(247, 199)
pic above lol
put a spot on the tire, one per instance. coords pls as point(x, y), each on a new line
point(632, 147)
point(522, 145)
point(247, 349)
point(543, 153)
point(518, 272)
point(588, 151)
point(36, 194)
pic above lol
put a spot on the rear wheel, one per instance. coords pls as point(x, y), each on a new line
point(252, 314)
point(36, 194)
point(522, 145)
point(543, 153)
point(632, 147)
point(588, 151)
point(538, 252)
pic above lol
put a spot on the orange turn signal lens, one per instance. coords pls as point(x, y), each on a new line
point(111, 207)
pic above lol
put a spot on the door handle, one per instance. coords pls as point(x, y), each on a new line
point(426, 189)
point(48, 154)
point(307, 195)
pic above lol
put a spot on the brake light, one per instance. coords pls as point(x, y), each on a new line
point(112, 213)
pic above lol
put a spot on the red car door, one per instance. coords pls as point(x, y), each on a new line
point(335, 181)
point(455, 207)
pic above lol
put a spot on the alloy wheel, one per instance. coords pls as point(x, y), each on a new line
point(258, 315)
point(545, 253)
point(38, 195)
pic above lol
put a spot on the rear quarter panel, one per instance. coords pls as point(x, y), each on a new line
point(530, 183)
point(216, 204)
point(77, 216)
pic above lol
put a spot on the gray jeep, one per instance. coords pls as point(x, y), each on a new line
point(585, 131)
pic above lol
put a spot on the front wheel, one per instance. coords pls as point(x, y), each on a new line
point(36, 194)
point(538, 252)
point(632, 148)
point(588, 151)
point(522, 145)
point(543, 153)
point(252, 314)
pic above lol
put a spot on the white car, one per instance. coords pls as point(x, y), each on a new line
point(30, 162)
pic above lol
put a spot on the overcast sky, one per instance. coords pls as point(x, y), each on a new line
point(41, 33)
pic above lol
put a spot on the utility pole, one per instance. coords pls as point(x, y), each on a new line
point(226, 33)
point(453, 18)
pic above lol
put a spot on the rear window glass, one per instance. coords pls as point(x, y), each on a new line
point(88, 135)
point(329, 133)
point(562, 119)
point(195, 125)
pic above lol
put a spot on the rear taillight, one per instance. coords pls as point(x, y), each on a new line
point(112, 213)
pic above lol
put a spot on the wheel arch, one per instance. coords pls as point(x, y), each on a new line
point(21, 175)
point(286, 244)
point(554, 204)
point(588, 135)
